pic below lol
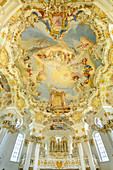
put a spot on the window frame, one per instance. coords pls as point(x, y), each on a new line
point(17, 150)
point(99, 148)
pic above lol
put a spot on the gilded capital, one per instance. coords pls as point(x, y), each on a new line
point(32, 138)
point(38, 140)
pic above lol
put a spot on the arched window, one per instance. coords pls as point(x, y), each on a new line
point(58, 138)
point(100, 147)
point(17, 148)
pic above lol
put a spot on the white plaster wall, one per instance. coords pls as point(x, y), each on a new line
point(109, 149)
point(5, 153)
point(7, 148)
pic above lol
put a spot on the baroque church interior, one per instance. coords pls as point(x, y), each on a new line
point(56, 84)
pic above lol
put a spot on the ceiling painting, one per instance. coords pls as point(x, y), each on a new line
point(58, 127)
point(58, 120)
point(55, 62)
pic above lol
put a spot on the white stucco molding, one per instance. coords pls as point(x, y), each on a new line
point(106, 6)
point(79, 126)
point(13, 5)
point(8, 10)
point(103, 111)
point(14, 111)
point(37, 127)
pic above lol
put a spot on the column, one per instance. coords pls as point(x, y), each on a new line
point(81, 155)
point(90, 156)
point(5, 127)
point(37, 149)
point(70, 145)
point(36, 133)
point(4, 143)
point(2, 134)
point(111, 135)
point(28, 155)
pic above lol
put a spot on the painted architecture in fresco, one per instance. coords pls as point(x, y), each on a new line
point(58, 60)
point(57, 57)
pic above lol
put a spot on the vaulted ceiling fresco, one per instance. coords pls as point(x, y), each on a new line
point(56, 60)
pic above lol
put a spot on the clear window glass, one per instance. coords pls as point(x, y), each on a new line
point(100, 148)
point(17, 148)
point(58, 139)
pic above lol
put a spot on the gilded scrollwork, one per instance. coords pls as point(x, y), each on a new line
point(78, 72)
point(86, 16)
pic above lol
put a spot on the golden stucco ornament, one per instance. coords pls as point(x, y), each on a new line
point(59, 164)
point(96, 102)
point(111, 56)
